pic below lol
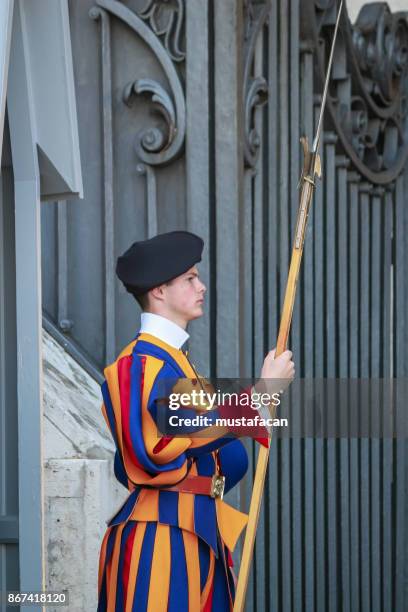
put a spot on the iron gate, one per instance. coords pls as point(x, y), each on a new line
point(191, 114)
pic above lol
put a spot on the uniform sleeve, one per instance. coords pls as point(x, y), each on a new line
point(208, 430)
point(143, 454)
point(126, 390)
point(108, 414)
point(200, 438)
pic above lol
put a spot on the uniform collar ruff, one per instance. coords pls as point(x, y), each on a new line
point(163, 329)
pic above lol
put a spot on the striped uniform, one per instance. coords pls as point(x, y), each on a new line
point(164, 550)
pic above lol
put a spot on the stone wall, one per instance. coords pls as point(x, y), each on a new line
point(81, 492)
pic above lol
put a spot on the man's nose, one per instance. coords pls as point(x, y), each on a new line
point(202, 287)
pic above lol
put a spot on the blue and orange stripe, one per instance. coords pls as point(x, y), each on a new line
point(163, 536)
point(161, 568)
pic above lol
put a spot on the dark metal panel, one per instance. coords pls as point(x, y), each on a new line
point(307, 346)
point(199, 66)
point(9, 568)
point(228, 19)
point(353, 272)
point(316, 588)
point(302, 314)
point(376, 282)
point(354, 280)
point(272, 160)
point(330, 255)
point(284, 206)
point(84, 218)
point(9, 530)
point(319, 492)
point(127, 194)
point(62, 232)
point(258, 314)
point(387, 331)
point(9, 464)
point(321, 525)
point(319, 242)
point(291, 197)
point(273, 298)
point(49, 259)
point(386, 502)
point(247, 344)
point(343, 370)
point(247, 278)
point(333, 520)
point(387, 525)
point(108, 189)
point(364, 317)
point(333, 506)
point(400, 368)
point(285, 570)
point(258, 291)
point(375, 473)
point(342, 223)
point(400, 289)
point(364, 518)
point(227, 142)
point(307, 121)
point(272, 496)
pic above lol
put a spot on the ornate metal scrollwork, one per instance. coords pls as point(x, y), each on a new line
point(367, 100)
point(167, 19)
point(153, 139)
point(157, 145)
point(255, 85)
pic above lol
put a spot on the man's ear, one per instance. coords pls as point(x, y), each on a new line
point(158, 292)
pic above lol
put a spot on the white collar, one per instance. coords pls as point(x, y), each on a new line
point(163, 329)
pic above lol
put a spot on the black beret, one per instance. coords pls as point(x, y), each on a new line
point(150, 263)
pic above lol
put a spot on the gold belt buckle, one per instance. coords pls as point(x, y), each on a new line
point(217, 486)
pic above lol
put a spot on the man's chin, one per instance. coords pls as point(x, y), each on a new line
point(196, 313)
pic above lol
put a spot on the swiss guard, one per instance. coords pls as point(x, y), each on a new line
point(168, 548)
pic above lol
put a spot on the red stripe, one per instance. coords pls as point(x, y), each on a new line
point(208, 603)
point(124, 366)
point(263, 441)
point(126, 563)
point(142, 375)
point(162, 443)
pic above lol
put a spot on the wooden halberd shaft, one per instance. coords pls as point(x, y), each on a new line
point(311, 169)
point(307, 186)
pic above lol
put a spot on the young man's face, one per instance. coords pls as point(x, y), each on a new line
point(183, 297)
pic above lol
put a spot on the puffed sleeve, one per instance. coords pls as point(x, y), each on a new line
point(208, 429)
point(144, 455)
point(126, 389)
point(201, 438)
